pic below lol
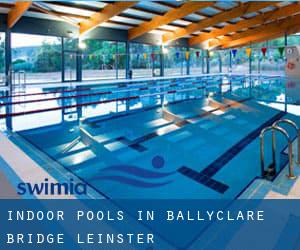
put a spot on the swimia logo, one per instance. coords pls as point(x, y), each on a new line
point(48, 188)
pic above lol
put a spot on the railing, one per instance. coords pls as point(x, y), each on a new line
point(19, 80)
point(294, 125)
point(272, 167)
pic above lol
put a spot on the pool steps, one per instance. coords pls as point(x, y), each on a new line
point(271, 170)
point(71, 145)
point(97, 147)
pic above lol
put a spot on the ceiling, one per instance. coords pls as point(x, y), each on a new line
point(211, 24)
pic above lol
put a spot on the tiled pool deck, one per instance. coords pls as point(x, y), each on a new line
point(16, 166)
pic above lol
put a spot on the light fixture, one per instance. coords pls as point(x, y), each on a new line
point(82, 45)
point(165, 50)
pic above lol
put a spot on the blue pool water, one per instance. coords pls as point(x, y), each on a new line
point(55, 105)
point(167, 139)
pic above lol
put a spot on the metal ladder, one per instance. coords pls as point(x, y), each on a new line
point(275, 127)
point(73, 143)
point(19, 82)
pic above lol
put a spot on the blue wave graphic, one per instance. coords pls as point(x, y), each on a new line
point(137, 171)
point(131, 182)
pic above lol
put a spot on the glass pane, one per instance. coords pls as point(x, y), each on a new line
point(214, 62)
point(36, 59)
point(156, 60)
point(272, 63)
point(240, 63)
point(70, 59)
point(70, 44)
point(256, 61)
point(121, 59)
point(2, 58)
point(175, 62)
point(99, 60)
point(277, 42)
point(196, 62)
point(141, 60)
point(225, 60)
point(293, 40)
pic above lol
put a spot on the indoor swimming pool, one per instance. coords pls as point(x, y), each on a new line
point(177, 138)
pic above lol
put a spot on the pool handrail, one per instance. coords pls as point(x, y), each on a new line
point(290, 150)
point(294, 125)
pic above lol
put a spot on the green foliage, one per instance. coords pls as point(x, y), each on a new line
point(99, 54)
point(48, 58)
point(19, 61)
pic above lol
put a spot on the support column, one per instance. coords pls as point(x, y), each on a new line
point(62, 61)
point(79, 66)
point(285, 39)
point(230, 61)
point(220, 63)
point(207, 62)
point(250, 62)
point(8, 78)
point(162, 61)
point(8, 64)
point(285, 45)
point(117, 60)
point(202, 62)
point(250, 71)
point(153, 61)
point(188, 64)
point(127, 59)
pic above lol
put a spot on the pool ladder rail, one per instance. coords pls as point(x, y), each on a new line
point(71, 145)
point(271, 171)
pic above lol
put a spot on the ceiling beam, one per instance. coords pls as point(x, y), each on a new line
point(107, 12)
point(170, 16)
point(289, 10)
point(17, 12)
point(218, 18)
point(288, 25)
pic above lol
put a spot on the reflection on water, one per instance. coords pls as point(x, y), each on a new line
point(71, 104)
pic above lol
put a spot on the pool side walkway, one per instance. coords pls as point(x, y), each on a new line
point(16, 167)
point(7, 190)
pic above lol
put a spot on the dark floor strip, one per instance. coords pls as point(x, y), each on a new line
point(205, 176)
point(201, 178)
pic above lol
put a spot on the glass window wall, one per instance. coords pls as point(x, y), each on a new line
point(196, 61)
point(175, 61)
point(35, 58)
